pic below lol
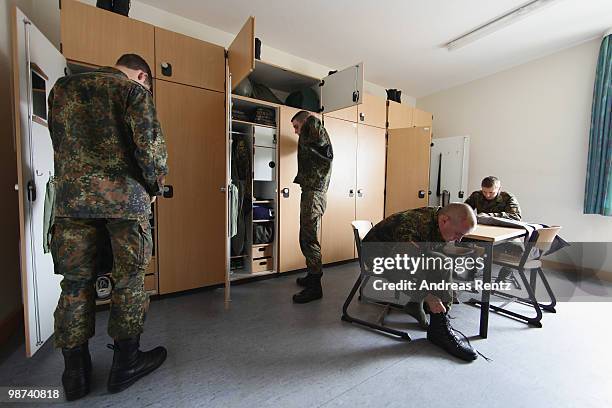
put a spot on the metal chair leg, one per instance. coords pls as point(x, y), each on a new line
point(348, 318)
point(549, 307)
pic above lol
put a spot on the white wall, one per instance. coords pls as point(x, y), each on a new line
point(530, 126)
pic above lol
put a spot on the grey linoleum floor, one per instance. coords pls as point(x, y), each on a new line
point(267, 352)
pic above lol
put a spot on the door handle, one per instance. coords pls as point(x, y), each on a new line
point(360, 193)
point(351, 193)
point(285, 192)
point(421, 193)
point(166, 68)
point(168, 191)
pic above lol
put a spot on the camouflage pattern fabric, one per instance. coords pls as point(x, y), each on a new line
point(504, 205)
point(75, 249)
point(420, 228)
point(315, 156)
point(312, 207)
point(109, 151)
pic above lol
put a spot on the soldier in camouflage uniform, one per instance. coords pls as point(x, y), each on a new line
point(424, 228)
point(110, 163)
point(315, 156)
point(491, 201)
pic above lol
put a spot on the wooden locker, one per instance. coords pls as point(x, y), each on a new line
point(290, 255)
point(407, 182)
point(192, 224)
point(98, 37)
point(370, 197)
point(373, 111)
point(399, 115)
point(422, 118)
point(337, 235)
point(189, 61)
point(349, 114)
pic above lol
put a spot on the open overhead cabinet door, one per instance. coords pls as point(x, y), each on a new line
point(241, 53)
point(342, 89)
point(37, 64)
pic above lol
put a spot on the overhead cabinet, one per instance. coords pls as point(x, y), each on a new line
point(186, 60)
point(98, 37)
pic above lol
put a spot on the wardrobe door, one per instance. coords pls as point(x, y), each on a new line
point(370, 194)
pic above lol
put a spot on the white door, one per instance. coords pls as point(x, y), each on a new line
point(449, 169)
point(37, 65)
point(342, 89)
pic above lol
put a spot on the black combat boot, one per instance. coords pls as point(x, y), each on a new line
point(442, 334)
point(130, 364)
point(76, 378)
point(312, 291)
point(303, 281)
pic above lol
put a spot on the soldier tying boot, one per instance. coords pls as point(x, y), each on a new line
point(430, 225)
point(315, 156)
point(110, 162)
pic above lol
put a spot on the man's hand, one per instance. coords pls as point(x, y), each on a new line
point(435, 304)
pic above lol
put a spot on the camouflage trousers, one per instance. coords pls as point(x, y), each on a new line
point(312, 207)
point(75, 247)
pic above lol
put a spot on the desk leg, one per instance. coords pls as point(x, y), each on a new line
point(486, 294)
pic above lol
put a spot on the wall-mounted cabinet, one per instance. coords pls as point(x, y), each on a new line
point(98, 37)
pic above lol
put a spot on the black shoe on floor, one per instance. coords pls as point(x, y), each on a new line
point(312, 291)
point(303, 281)
point(130, 364)
point(442, 334)
point(76, 378)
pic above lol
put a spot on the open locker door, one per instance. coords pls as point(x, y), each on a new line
point(342, 89)
point(241, 53)
point(37, 64)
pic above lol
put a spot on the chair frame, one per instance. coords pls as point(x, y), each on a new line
point(361, 279)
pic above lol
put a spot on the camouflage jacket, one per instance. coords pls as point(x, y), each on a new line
point(505, 205)
point(315, 156)
point(419, 225)
point(109, 151)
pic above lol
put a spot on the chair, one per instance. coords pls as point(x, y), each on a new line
point(360, 230)
point(540, 240)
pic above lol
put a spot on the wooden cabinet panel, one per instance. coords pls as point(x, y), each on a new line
point(399, 115)
point(422, 118)
point(407, 169)
point(193, 62)
point(99, 37)
point(370, 198)
point(290, 255)
point(373, 111)
point(337, 238)
point(192, 225)
point(241, 53)
point(349, 114)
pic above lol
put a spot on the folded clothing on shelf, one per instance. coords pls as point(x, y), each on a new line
point(261, 212)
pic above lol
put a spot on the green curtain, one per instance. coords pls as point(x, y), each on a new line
point(598, 190)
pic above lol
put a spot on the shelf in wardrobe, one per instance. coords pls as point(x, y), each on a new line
point(244, 122)
point(263, 202)
point(272, 220)
point(238, 276)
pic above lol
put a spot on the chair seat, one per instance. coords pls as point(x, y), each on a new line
point(510, 260)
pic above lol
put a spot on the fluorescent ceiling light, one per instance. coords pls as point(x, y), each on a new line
point(498, 23)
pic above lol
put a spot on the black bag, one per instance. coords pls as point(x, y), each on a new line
point(304, 99)
point(263, 233)
point(116, 6)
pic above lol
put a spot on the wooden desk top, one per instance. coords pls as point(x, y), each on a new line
point(492, 233)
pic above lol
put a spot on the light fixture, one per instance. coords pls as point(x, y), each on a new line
point(498, 23)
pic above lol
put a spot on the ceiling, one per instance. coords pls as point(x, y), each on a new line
point(400, 41)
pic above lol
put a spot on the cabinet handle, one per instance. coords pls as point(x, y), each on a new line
point(361, 116)
point(166, 68)
point(285, 192)
point(360, 193)
point(421, 194)
point(351, 193)
point(168, 191)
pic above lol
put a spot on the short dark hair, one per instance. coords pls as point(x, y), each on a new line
point(300, 116)
point(133, 61)
point(490, 182)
